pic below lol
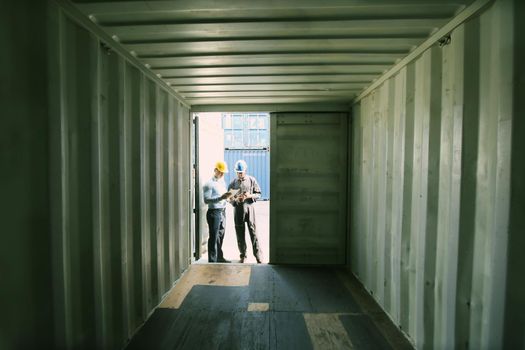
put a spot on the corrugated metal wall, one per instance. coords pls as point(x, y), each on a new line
point(431, 190)
point(120, 190)
point(514, 323)
point(258, 161)
point(25, 249)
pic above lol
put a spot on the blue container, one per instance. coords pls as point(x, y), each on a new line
point(258, 161)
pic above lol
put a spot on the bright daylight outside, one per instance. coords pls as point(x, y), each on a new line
point(234, 137)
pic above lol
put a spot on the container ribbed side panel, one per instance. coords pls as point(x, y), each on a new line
point(124, 211)
point(431, 188)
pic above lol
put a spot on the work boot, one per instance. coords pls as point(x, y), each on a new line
point(222, 260)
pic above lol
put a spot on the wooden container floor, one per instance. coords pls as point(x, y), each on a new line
point(244, 306)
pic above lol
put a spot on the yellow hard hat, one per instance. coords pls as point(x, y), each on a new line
point(222, 167)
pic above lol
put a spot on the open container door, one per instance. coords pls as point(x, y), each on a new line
point(308, 188)
point(209, 149)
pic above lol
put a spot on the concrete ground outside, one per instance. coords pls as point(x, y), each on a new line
point(229, 246)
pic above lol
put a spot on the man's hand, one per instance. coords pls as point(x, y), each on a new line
point(243, 197)
point(226, 195)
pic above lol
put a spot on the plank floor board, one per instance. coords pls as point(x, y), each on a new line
point(234, 306)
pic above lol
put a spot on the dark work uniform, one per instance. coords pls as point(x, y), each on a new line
point(245, 213)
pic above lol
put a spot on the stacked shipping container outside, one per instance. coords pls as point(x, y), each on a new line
point(247, 137)
point(258, 161)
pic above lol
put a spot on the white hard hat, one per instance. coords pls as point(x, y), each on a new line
point(240, 166)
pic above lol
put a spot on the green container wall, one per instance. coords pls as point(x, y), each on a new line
point(514, 323)
point(120, 194)
point(431, 191)
point(25, 236)
point(98, 228)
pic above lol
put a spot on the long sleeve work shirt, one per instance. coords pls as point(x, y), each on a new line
point(212, 192)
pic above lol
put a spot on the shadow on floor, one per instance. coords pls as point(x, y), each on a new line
point(235, 306)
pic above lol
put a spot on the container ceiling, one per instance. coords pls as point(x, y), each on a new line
point(256, 52)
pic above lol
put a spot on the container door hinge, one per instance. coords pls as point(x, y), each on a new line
point(445, 40)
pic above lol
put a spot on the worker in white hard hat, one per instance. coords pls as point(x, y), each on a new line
point(244, 211)
point(215, 195)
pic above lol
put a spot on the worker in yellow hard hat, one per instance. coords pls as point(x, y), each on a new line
point(215, 195)
point(222, 167)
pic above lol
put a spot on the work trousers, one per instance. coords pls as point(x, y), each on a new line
point(216, 219)
point(245, 213)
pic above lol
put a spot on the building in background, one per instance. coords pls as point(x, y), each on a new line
point(247, 136)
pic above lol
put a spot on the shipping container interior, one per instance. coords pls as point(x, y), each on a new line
point(396, 132)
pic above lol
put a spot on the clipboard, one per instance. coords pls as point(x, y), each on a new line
point(233, 191)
